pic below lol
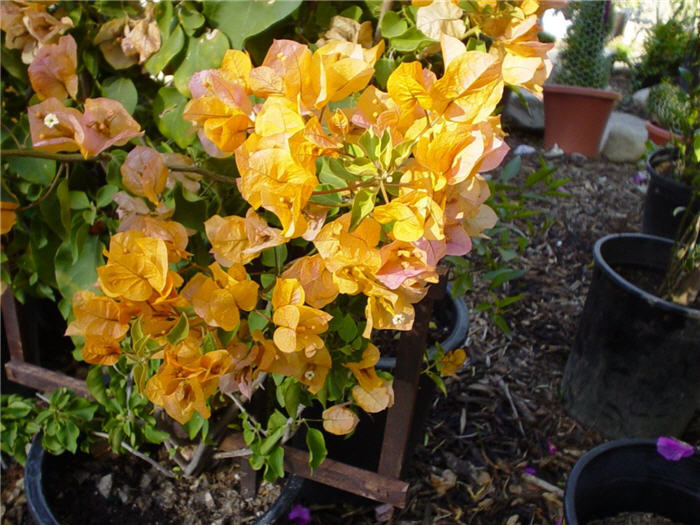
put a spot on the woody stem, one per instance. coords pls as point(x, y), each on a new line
point(77, 157)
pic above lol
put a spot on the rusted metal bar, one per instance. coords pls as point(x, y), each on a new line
point(351, 479)
point(10, 320)
point(43, 379)
point(409, 361)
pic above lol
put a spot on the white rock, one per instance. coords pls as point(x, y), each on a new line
point(104, 486)
point(528, 116)
point(626, 136)
point(524, 149)
point(641, 97)
point(556, 151)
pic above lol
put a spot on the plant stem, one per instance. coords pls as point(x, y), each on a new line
point(47, 193)
point(61, 157)
point(77, 157)
point(160, 468)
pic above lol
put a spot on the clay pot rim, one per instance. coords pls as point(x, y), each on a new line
point(565, 89)
point(685, 311)
point(651, 125)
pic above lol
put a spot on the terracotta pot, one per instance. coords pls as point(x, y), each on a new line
point(575, 117)
point(658, 135)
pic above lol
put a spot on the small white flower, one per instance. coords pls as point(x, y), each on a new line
point(398, 318)
point(309, 375)
point(50, 120)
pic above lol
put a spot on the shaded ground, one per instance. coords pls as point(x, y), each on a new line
point(499, 448)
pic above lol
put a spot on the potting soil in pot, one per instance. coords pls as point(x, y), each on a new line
point(123, 490)
point(634, 518)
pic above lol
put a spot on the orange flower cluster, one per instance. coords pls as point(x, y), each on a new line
point(381, 189)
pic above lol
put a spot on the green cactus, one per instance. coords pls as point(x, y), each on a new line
point(583, 61)
point(667, 105)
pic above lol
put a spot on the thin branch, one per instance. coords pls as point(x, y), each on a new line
point(201, 171)
point(61, 157)
point(48, 191)
point(77, 157)
point(240, 453)
point(160, 468)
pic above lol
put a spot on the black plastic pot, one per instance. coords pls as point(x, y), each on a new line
point(629, 475)
point(664, 197)
point(448, 311)
point(634, 369)
point(42, 515)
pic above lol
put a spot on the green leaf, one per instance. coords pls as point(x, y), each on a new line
point(105, 195)
point(194, 425)
point(12, 62)
point(81, 408)
point(274, 257)
point(292, 395)
point(316, 444)
point(257, 461)
point(190, 213)
point(180, 331)
point(409, 41)
point(96, 385)
point(362, 206)
point(79, 200)
point(202, 53)
point(36, 171)
point(240, 20)
point(153, 435)
point(393, 25)
point(275, 464)
point(81, 274)
point(438, 382)
point(382, 69)
point(347, 328)
point(123, 90)
point(190, 18)
point(169, 49)
point(354, 12)
point(167, 113)
point(511, 169)
point(271, 440)
point(256, 321)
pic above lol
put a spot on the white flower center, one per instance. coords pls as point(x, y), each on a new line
point(50, 120)
point(309, 375)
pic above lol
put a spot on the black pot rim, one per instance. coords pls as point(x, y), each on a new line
point(657, 157)
point(42, 515)
point(587, 458)
point(685, 311)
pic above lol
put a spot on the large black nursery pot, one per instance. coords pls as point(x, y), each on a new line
point(629, 475)
point(664, 197)
point(634, 369)
point(38, 460)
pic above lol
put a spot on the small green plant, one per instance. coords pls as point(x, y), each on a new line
point(499, 254)
point(665, 49)
point(583, 61)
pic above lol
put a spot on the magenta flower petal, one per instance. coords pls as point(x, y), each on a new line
point(551, 447)
point(673, 449)
point(300, 515)
point(530, 471)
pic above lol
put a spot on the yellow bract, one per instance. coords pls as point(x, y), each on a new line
point(137, 267)
point(339, 420)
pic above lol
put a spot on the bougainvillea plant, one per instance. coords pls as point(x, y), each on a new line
point(312, 211)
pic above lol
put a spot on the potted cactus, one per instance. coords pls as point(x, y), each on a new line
point(579, 90)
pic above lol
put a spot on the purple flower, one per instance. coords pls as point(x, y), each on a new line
point(551, 448)
point(300, 515)
point(640, 177)
point(673, 449)
point(530, 470)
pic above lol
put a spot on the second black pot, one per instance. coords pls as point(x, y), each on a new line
point(665, 199)
point(629, 475)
